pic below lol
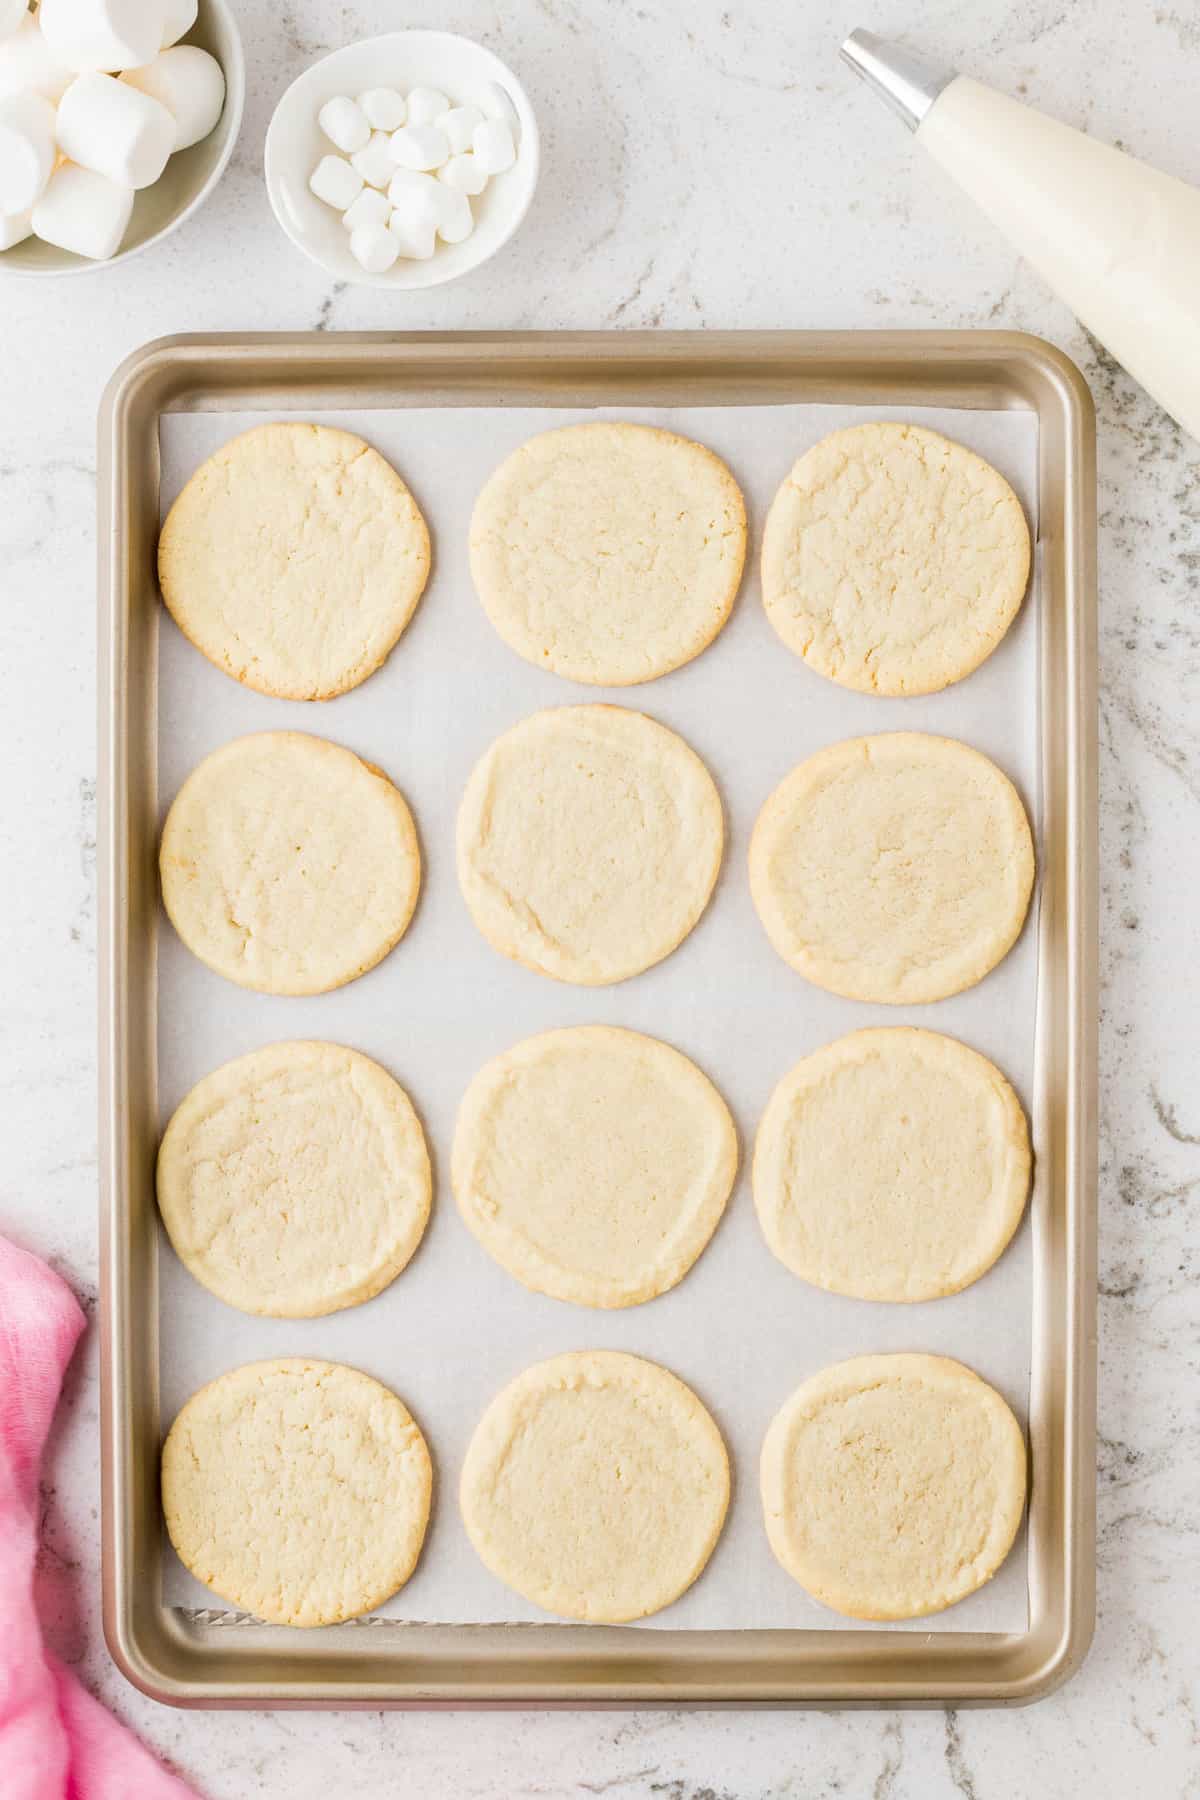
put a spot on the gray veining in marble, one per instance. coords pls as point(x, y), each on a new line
point(705, 165)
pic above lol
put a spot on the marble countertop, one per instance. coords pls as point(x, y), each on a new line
point(705, 165)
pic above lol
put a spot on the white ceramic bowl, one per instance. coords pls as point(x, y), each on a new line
point(186, 182)
point(402, 59)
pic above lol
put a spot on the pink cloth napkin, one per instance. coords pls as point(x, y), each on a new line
point(56, 1742)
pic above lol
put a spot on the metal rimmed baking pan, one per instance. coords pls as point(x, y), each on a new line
point(198, 1656)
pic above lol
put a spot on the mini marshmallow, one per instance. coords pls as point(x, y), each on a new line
point(11, 14)
point(385, 109)
point(374, 162)
point(371, 208)
point(26, 150)
point(103, 34)
point(344, 123)
point(416, 241)
point(115, 130)
point(14, 229)
point(493, 146)
point(464, 174)
point(425, 104)
point(29, 66)
point(374, 247)
point(178, 18)
point(419, 146)
point(83, 212)
point(335, 182)
point(459, 126)
point(189, 83)
point(456, 221)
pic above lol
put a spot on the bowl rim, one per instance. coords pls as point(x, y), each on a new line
point(530, 148)
point(234, 72)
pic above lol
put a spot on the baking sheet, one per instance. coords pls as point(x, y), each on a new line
point(454, 1327)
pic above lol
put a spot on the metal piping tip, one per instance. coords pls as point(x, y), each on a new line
point(904, 82)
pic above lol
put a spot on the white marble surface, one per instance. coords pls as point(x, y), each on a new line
point(823, 216)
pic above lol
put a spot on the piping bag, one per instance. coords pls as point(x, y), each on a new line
point(1117, 240)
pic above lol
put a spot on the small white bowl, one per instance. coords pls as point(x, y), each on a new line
point(402, 59)
point(186, 182)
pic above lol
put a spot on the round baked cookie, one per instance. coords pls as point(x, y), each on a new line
point(297, 1490)
point(593, 1164)
point(894, 560)
point(294, 558)
point(589, 840)
point(895, 869)
point(891, 1165)
point(609, 553)
point(596, 1485)
point(893, 1486)
point(288, 865)
point(295, 1180)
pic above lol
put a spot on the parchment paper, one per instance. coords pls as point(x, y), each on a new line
point(454, 1327)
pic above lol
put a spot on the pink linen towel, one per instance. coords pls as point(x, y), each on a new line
point(56, 1742)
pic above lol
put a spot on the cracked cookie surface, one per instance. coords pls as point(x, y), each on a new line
point(895, 869)
point(894, 560)
point(596, 1485)
point(293, 559)
point(609, 553)
point(288, 864)
point(297, 1490)
point(593, 1164)
point(589, 840)
point(893, 1486)
point(295, 1181)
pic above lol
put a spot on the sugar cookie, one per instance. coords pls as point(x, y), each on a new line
point(589, 840)
point(596, 1485)
point(894, 560)
point(895, 869)
point(891, 1165)
point(294, 558)
point(295, 1180)
point(297, 1490)
point(893, 1486)
point(593, 1164)
point(288, 865)
point(609, 553)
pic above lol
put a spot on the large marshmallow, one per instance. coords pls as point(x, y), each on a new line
point(115, 130)
point(385, 109)
point(493, 147)
point(104, 34)
point(374, 161)
point(335, 182)
point(345, 123)
point(456, 221)
point(415, 200)
point(13, 11)
point(371, 208)
point(83, 212)
point(458, 125)
point(14, 229)
point(26, 150)
point(419, 146)
point(464, 174)
point(29, 66)
point(375, 248)
point(178, 18)
point(425, 104)
point(189, 83)
point(416, 242)
point(497, 105)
